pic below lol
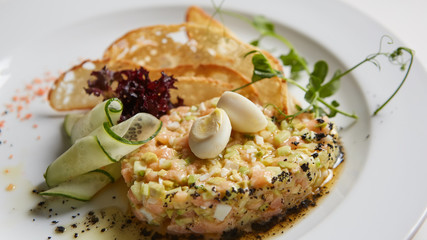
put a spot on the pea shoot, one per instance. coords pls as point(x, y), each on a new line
point(319, 87)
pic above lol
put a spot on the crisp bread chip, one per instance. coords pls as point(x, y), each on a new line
point(169, 46)
point(195, 84)
point(201, 51)
point(209, 72)
point(68, 91)
point(196, 15)
point(195, 90)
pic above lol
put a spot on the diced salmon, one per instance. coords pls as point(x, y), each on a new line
point(249, 186)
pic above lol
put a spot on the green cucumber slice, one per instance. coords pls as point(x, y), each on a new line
point(113, 171)
point(102, 147)
point(129, 135)
point(84, 156)
point(85, 186)
point(107, 111)
point(70, 120)
point(82, 188)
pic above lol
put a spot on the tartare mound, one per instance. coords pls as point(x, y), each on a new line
point(258, 175)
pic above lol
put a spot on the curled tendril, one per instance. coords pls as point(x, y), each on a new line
point(399, 52)
point(383, 40)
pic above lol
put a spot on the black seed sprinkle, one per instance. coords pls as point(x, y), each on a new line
point(60, 229)
point(304, 167)
point(319, 120)
point(319, 136)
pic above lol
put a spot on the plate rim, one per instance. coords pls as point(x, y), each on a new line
point(323, 41)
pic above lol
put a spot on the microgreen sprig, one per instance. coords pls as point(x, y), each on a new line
point(314, 92)
point(317, 88)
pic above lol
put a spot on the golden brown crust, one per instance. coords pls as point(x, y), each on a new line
point(162, 46)
point(202, 49)
point(198, 16)
point(68, 91)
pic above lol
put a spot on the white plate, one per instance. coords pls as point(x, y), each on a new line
point(380, 193)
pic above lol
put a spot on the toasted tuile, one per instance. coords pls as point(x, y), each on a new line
point(68, 92)
point(198, 89)
point(202, 52)
point(195, 84)
point(211, 72)
point(198, 16)
point(168, 46)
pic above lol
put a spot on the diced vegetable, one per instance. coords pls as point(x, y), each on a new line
point(221, 211)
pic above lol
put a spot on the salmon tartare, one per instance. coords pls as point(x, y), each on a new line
point(256, 177)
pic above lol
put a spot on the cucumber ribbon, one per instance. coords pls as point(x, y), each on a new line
point(98, 145)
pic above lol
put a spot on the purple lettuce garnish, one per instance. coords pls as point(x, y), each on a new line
point(136, 91)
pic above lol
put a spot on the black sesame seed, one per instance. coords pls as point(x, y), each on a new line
point(319, 120)
point(60, 229)
point(304, 167)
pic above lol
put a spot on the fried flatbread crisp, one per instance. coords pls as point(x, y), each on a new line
point(68, 91)
point(195, 90)
point(209, 72)
point(195, 84)
point(201, 50)
point(169, 46)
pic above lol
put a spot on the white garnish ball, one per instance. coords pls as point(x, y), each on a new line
point(244, 115)
point(210, 134)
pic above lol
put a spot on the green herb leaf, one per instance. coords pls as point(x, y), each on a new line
point(331, 87)
point(333, 112)
point(294, 62)
point(262, 68)
point(318, 75)
point(255, 42)
point(263, 25)
point(310, 95)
